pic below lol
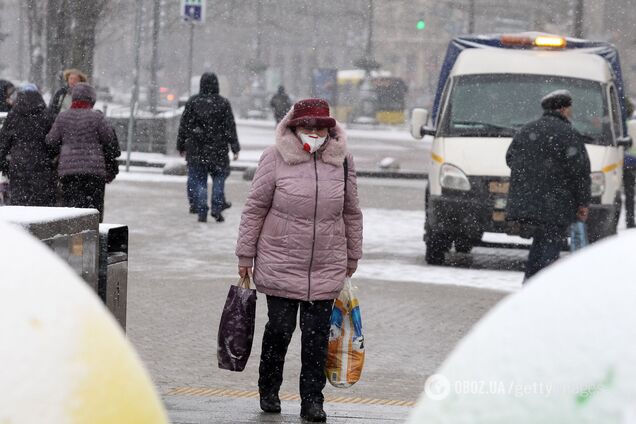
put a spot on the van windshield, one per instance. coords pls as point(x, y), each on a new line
point(498, 105)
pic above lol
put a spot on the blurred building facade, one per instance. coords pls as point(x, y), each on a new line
point(293, 37)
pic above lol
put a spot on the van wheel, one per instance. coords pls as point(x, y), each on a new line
point(463, 245)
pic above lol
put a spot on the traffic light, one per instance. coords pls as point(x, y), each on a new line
point(421, 24)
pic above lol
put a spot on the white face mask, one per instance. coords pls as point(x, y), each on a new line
point(311, 142)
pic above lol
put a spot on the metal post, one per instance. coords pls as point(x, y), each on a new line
point(369, 47)
point(259, 31)
point(259, 45)
point(190, 56)
point(154, 61)
point(471, 16)
point(135, 93)
point(578, 18)
point(21, 42)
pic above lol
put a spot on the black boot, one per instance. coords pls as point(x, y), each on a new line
point(270, 403)
point(203, 216)
point(193, 209)
point(217, 216)
point(313, 412)
point(226, 205)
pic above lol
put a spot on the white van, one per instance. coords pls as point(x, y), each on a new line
point(488, 93)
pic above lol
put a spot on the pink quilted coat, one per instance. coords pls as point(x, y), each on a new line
point(299, 229)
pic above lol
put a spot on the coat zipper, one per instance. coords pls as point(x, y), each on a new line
point(313, 240)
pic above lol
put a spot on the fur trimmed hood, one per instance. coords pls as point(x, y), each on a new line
point(291, 149)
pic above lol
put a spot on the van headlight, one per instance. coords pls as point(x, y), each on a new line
point(598, 183)
point(451, 177)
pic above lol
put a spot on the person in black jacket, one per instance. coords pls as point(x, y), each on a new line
point(550, 179)
point(6, 91)
point(24, 156)
point(206, 132)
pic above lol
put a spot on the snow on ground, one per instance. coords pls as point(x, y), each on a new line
point(394, 251)
point(393, 247)
point(368, 145)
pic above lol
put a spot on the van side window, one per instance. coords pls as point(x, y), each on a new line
point(616, 113)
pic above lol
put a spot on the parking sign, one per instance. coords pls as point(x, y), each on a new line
point(193, 10)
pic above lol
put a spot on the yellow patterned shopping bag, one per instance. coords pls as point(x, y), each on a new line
point(345, 355)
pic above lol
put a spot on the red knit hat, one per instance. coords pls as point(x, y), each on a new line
point(311, 113)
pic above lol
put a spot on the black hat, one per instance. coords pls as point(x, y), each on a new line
point(556, 100)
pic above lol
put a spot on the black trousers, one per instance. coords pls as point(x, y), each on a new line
point(83, 191)
point(36, 189)
point(314, 324)
point(629, 175)
point(545, 249)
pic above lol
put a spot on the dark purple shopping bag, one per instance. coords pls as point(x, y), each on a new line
point(236, 330)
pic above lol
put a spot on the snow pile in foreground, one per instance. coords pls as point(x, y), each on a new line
point(559, 351)
point(64, 357)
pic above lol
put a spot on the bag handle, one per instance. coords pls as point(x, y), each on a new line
point(244, 282)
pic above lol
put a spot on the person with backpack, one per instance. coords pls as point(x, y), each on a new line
point(300, 236)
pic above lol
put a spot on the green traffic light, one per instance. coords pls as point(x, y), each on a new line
point(421, 24)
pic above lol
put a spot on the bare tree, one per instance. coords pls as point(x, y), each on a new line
point(35, 17)
point(3, 35)
point(57, 36)
point(85, 17)
point(71, 27)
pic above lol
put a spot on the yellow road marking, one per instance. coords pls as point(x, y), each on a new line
point(209, 392)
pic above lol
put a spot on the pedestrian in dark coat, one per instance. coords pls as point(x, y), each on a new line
point(88, 150)
point(280, 103)
point(206, 133)
point(24, 156)
point(6, 90)
point(550, 179)
point(629, 180)
point(61, 100)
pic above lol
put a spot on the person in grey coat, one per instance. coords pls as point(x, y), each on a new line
point(88, 149)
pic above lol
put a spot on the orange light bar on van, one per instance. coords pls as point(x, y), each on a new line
point(516, 40)
point(550, 41)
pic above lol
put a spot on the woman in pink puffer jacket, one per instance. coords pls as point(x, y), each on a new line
point(301, 231)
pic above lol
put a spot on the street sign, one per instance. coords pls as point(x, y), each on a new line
point(193, 10)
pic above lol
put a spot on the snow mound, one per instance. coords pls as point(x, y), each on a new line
point(559, 351)
point(65, 359)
